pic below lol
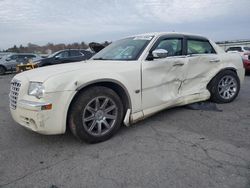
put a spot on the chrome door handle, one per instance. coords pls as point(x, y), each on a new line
point(214, 61)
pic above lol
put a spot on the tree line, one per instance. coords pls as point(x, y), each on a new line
point(49, 48)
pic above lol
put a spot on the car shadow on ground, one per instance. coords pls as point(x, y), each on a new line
point(69, 139)
point(124, 131)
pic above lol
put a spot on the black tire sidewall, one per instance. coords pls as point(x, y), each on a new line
point(215, 96)
point(2, 70)
point(78, 107)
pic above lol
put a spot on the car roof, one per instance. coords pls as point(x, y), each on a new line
point(23, 54)
point(159, 34)
point(236, 46)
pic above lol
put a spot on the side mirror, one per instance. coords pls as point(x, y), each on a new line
point(57, 57)
point(160, 53)
point(8, 59)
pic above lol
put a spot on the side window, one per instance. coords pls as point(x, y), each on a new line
point(13, 57)
point(21, 57)
point(64, 54)
point(75, 53)
point(173, 46)
point(31, 56)
point(24, 57)
point(199, 47)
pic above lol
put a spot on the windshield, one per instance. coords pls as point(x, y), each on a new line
point(125, 50)
point(247, 48)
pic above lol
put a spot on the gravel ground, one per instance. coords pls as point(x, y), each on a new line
point(175, 148)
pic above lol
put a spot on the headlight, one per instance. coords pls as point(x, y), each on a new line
point(36, 89)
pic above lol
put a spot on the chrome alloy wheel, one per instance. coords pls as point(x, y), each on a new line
point(227, 87)
point(99, 115)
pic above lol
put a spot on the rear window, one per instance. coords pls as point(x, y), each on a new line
point(75, 53)
point(31, 56)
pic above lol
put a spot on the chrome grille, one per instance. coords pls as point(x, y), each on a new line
point(14, 92)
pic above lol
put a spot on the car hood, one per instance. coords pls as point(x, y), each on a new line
point(83, 67)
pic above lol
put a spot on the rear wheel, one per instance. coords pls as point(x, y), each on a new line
point(2, 70)
point(96, 114)
point(225, 87)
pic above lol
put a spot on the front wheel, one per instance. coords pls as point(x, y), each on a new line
point(96, 114)
point(224, 88)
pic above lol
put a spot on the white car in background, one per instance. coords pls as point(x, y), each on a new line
point(243, 50)
point(127, 81)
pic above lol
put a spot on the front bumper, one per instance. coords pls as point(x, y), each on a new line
point(30, 115)
point(27, 110)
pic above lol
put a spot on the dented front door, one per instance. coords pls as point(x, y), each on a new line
point(162, 80)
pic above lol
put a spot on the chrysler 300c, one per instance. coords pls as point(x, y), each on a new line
point(125, 82)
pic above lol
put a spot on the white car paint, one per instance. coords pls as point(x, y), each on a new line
point(150, 85)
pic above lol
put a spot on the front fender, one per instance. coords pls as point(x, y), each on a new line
point(129, 81)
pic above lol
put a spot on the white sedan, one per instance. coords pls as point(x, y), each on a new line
point(127, 81)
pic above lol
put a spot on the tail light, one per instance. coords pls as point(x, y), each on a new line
point(246, 56)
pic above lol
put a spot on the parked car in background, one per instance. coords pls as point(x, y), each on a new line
point(65, 56)
point(243, 50)
point(246, 63)
point(2, 54)
point(129, 80)
point(9, 62)
point(238, 49)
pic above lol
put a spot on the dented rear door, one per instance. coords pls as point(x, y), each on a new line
point(202, 64)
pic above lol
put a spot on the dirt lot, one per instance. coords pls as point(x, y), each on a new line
point(176, 148)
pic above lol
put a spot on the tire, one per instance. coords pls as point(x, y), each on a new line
point(96, 114)
point(2, 70)
point(224, 87)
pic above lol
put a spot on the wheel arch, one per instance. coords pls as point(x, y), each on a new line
point(115, 85)
point(222, 70)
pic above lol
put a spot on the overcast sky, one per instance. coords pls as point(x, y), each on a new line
point(67, 21)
